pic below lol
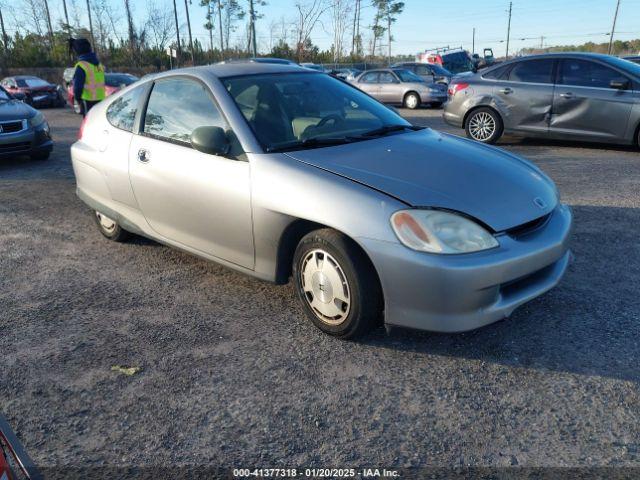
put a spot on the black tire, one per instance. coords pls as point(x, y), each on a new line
point(40, 156)
point(480, 115)
point(436, 105)
point(115, 233)
point(411, 101)
point(361, 285)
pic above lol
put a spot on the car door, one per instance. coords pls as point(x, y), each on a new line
point(525, 95)
point(390, 88)
point(586, 105)
point(197, 200)
point(368, 82)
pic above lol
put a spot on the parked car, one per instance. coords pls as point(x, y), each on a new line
point(23, 129)
point(573, 96)
point(430, 73)
point(634, 59)
point(279, 171)
point(34, 90)
point(113, 82)
point(401, 87)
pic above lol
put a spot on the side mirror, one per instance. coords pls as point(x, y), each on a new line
point(211, 140)
point(619, 84)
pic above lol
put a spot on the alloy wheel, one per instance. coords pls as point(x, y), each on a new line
point(107, 224)
point(325, 287)
point(482, 126)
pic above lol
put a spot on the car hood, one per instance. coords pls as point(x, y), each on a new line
point(430, 169)
point(15, 110)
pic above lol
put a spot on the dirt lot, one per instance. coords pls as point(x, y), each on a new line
point(234, 375)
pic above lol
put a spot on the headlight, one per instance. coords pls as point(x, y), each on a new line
point(37, 120)
point(436, 231)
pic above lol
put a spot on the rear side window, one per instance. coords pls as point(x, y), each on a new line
point(532, 71)
point(122, 113)
point(370, 77)
point(178, 106)
point(387, 77)
point(583, 73)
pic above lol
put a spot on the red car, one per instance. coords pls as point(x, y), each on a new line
point(15, 463)
point(34, 91)
point(113, 83)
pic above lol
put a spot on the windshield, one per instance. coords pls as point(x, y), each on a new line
point(32, 82)
point(407, 76)
point(286, 110)
point(117, 79)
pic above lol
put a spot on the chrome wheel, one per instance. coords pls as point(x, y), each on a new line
point(325, 287)
point(107, 224)
point(412, 101)
point(482, 126)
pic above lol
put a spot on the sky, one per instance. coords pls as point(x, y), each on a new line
point(424, 24)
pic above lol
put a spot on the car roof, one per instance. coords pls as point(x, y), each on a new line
point(24, 77)
point(225, 70)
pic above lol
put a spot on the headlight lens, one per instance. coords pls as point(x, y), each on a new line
point(37, 120)
point(441, 232)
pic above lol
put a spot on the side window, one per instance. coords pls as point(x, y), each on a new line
point(532, 71)
point(583, 73)
point(122, 113)
point(369, 78)
point(387, 77)
point(497, 73)
point(423, 70)
point(178, 106)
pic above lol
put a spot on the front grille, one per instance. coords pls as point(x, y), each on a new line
point(15, 147)
point(11, 127)
point(529, 227)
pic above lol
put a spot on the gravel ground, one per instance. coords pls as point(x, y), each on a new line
point(233, 374)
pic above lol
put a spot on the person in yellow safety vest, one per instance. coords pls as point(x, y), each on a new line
point(88, 79)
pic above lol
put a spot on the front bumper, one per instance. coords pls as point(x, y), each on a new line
point(27, 142)
point(455, 293)
point(439, 97)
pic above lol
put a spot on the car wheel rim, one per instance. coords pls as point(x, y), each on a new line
point(482, 126)
point(325, 287)
point(412, 101)
point(107, 224)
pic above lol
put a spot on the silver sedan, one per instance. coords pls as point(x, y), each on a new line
point(398, 86)
point(278, 171)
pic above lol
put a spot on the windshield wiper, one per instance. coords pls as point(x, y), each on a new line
point(312, 142)
point(389, 129)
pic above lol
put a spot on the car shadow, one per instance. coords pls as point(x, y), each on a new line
point(588, 325)
point(544, 142)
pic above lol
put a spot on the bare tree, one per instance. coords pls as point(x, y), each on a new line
point(186, 9)
point(33, 15)
point(309, 14)
point(105, 22)
point(160, 25)
point(340, 10)
point(233, 12)
point(387, 12)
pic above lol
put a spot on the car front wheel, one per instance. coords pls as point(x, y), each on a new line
point(110, 228)
point(337, 284)
point(484, 125)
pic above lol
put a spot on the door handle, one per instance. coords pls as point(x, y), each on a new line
point(143, 155)
point(506, 90)
point(567, 95)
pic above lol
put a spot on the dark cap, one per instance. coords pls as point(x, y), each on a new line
point(80, 45)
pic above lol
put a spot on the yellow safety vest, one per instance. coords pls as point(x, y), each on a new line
point(93, 81)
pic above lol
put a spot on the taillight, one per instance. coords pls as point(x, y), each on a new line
point(81, 131)
point(457, 87)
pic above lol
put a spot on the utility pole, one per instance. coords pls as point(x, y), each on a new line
point(179, 50)
point(473, 43)
point(613, 28)
point(356, 29)
point(93, 40)
point(541, 42)
point(389, 32)
point(252, 14)
point(186, 7)
point(210, 18)
point(509, 30)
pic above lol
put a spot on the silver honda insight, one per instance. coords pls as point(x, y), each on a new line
point(278, 171)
